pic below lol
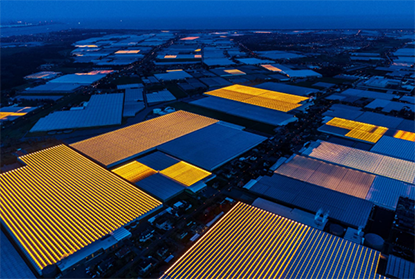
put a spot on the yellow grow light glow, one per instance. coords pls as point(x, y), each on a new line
point(234, 72)
point(175, 70)
point(134, 171)
point(249, 242)
point(185, 173)
point(259, 97)
point(60, 202)
point(359, 130)
point(127, 51)
point(170, 56)
point(404, 135)
point(189, 38)
point(129, 141)
point(41, 75)
point(271, 68)
point(197, 50)
point(7, 114)
point(86, 46)
point(96, 72)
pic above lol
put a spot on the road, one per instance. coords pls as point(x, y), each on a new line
point(166, 235)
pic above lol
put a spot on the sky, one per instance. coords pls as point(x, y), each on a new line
point(216, 14)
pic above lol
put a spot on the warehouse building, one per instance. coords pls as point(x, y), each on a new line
point(288, 89)
point(133, 100)
point(378, 164)
point(382, 191)
point(119, 146)
point(45, 75)
point(212, 62)
point(160, 97)
point(353, 123)
point(84, 79)
point(397, 147)
point(292, 73)
point(252, 243)
point(172, 75)
point(68, 83)
point(348, 210)
point(278, 54)
point(388, 106)
point(227, 72)
point(54, 225)
point(254, 61)
point(367, 94)
point(337, 178)
point(163, 176)
point(261, 105)
point(101, 110)
point(353, 129)
point(212, 146)
point(343, 111)
point(198, 140)
point(215, 82)
point(13, 112)
point(53, 88)
point(369, 133)
point(256, 113)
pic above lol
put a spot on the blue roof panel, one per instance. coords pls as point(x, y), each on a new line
point(345, 208)
point(212, 146)
point(158, 161)
point(161, 187)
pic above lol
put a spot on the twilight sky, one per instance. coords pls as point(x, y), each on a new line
point(218, 14)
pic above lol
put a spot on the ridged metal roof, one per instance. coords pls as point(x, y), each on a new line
point(60, 202)
point(334, 177)
point(385, 192)
point(249, 242)
point(363, 160)
point(398, 148)
point(344, 208)
point(211, 147)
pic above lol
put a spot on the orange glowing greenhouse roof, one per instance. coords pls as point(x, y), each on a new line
point(60, 202)
point(8, 113)
point(127, 51)
point(170, 56)
point(359, 130)
point(4, 115)
point(249, 242)
point(271, 68)
point(234, 72)
point(259, 97)
point(189, 38)
point(404, 135)
point(134, 171)
point(185, 173)
point(86, 46)
point(96, 72)
point(127, 142)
